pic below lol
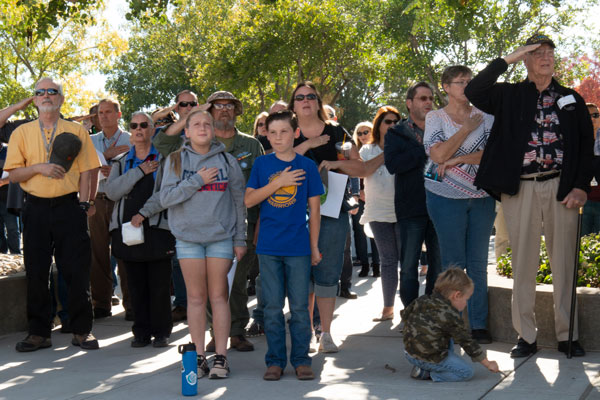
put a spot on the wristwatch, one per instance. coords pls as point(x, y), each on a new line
point(92, 203)
point(84, 205)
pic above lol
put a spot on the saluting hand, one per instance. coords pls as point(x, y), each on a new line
point(520, 53)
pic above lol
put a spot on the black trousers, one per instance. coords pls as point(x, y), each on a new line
point(150, 292)
point(57, 227)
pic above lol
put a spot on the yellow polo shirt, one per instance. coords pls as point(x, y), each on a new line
point(26, 148)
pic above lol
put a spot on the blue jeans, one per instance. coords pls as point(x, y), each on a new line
point(464, 227)
point(389, 246)
point(12, 241)
point(590, 222)
point(281, 274)
point(332, 240)
point(451, 369)
point(413, 232)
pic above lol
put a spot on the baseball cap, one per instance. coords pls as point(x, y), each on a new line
point(65, 149)
point(540, 38)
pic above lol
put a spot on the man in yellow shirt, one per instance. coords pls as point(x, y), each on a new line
point(54, 217)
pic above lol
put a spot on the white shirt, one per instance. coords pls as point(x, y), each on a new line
point(379, 190)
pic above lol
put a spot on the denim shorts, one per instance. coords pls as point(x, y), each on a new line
point(220, 249)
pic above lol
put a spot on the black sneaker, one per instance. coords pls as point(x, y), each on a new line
point(576, 349)
point(162, 341)
point(420, 374)
point(481, 336)
point(255, 329)
point(140, 342)
point(203, 369)
point(220, 368)
point(523, 349)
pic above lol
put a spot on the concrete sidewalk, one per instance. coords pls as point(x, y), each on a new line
point(370, 365)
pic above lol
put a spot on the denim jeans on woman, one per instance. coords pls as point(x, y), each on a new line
point(453, 368)
point(281, 275)
point(332, 240)
point(464, 227)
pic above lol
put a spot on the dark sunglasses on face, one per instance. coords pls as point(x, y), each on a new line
point(188, 103)
point(260, 124)
point(301, 97)
point(220, 106)
point(363, 133)
point(134, 125)
point(51, 92)
point(390, 121)
point(424, 98)
point(595, 115)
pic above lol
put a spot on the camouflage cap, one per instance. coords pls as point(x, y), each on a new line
point(224, 95)
point(540, 38)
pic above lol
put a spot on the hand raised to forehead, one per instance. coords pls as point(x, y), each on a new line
point(520, 53)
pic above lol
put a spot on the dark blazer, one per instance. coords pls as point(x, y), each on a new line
point(514, 106)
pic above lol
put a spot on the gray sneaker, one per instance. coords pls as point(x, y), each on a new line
point(202, 366)
point(326, 344)
point(220, 368)
point(314, 344)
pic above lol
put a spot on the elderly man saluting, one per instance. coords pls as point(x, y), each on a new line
point(538, 160)
point(54, 217)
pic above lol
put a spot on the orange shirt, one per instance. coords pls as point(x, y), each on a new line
point(26, 148)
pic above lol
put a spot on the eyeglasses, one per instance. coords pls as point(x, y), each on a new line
point(363, 133)
point(390, 121)
point(134, 125)
point(301, 97)
point(542, 53)
point(260, 124)
point(461, 83)
point(595, 115)
point(50, 91)
point(188, 103)
point(221, 106)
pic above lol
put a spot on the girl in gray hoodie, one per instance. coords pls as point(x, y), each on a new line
point(203, 189)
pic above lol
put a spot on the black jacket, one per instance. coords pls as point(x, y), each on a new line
point(514, 106)
point(405, 158)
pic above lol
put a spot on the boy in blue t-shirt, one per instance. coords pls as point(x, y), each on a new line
point(283, 183)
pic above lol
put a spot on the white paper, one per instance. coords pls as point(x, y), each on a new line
point(131, 234)
point(231, 274)
point(335, 194)
point(103, 163)
point(4, 175)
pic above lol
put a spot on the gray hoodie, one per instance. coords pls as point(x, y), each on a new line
point(205, 213)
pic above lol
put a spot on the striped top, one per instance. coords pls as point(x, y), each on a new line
point(458, 180)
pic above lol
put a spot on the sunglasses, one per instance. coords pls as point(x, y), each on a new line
point(390, 121)
point(51, 92)
point(260, 124)
point(595, 115)
point(363, 133)
point(423, 98)
point(188, 103)
point(134, 125)
point(221, 106)
point(301, 97)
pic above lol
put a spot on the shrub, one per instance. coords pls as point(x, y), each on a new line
point(589, 263)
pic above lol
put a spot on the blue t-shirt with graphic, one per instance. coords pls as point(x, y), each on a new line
point(283, 228)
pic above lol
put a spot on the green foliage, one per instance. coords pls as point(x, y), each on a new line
point(589, 263)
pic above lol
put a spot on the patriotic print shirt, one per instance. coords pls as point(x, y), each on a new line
point(545, 149)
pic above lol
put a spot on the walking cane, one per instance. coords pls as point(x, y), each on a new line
point(574, 289)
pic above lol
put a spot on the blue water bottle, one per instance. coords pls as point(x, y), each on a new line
point(189, 369)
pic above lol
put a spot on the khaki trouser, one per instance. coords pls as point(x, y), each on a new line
point(101, 274)
point(501, 242)
point(534, 205)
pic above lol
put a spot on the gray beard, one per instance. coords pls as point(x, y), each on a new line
point(225, 125)
point(48, 108)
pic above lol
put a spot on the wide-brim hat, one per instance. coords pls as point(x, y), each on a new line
point(540, 38)
point(65, 149)
point(224, 95)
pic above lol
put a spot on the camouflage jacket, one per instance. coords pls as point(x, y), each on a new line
point(429, 324)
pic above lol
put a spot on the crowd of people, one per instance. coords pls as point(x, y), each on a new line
point(207, 198)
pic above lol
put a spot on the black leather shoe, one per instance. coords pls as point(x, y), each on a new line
point(576, 349)
point(140, 342)
point(345, 293)
point(101, 313)
point(160, 342)
point(523, 349)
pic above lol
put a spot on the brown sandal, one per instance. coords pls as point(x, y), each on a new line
point(382, 318)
